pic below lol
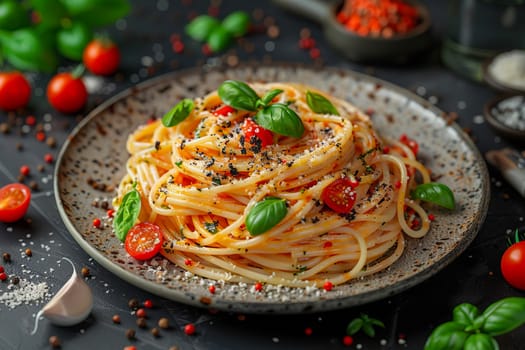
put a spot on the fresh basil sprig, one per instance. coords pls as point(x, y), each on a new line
point(178, 113)
point(436, 193)
point(320, 104)
point(364, 323)
point(265, 214)
point(127, 213)
point(472, 330)
point(277, 117)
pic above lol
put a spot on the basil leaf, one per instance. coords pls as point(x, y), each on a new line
point(201, 27)
point(236, 23)
point(71, 41)
point(436, 193)
point(449, 335)
point(178, 113)
point(269, 96)
point(49, 11)
point(504, 315)
point(127, 214)
point(97, 13)
point(481, 341)
point(280, 119)
point(265, 215)
point(369, 330)
point(320, 104)
point(465, 314)
point(13, 15)
point(219, 39)
point(238, 95)
point(354, 326)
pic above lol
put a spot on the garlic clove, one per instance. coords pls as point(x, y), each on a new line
point(72, 304)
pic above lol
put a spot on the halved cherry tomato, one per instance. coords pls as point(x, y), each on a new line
point(15, 91)
point(14, 201)
point(144, 241)
point(340, 195)
point(412, 144)
point(224, 110)
point(250, 129)
point(513, 265)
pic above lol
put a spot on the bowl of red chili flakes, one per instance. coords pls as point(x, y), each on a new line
point(386, 31)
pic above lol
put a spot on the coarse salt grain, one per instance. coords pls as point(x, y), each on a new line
point(24, 293)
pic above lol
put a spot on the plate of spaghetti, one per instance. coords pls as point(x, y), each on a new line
point(271, 189)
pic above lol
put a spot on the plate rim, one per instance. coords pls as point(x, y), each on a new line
point(256, 307)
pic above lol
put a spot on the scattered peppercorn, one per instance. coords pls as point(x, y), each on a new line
point(54, 341)
point(33, 185)
point(30, 120)
point(189, 329)
point(141, 322)
point(258, 286)
point(15, 280)
point(28, 252)
point(308, 331)
point(51, 142)
point(130, 333)
point(24, 170)
point(110, 213)
point(148, 304)
point(41, 168)
point(19, 146)
point(41, 136)
point(348, 340)
point(133, 303)
point(48, 158)
point(6, 257)
point(97, 223)
point(141, 313)
point(3, 276)
point(155, 332)
point(164, 323)
point(328, 286)
point(211, 288)
point(85, 271)
point(116, 319)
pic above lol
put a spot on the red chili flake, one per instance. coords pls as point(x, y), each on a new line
point(177, 46)
point(308, 331)
point(41, 136)
point(24, 170)
point(206, 50)
point(386, 149)
point(307, 43)
point(3, 276)
point(397, 184)
point(30, 120)
point(327, 244)
point(211, 288)
point(431, 217)
point(188, 262)
point(403, 138)
point(315, 53)
point(328, 286)
point(140, 313)
point(258, 286)
point(348, 340)
point(48, 158)
point(415, 224)
point(148, 304)
point(110, 213)
point(189, 329)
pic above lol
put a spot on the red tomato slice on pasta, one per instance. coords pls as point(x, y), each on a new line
point(250, 129)
point(224, 110)
point(340, 195)
point(412, 144)
point(144, 241)
point(14, 201)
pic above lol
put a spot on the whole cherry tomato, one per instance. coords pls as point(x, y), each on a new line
point(15, 91)
point(340, 195)
point(144, 241)
point(252, 130)
point(513, 264)
point(67, 93)
point(101, 57)
point(14, 201)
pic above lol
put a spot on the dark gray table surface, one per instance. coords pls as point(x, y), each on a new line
point(144, 38)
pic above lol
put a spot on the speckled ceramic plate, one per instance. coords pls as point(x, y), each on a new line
point(93, 159)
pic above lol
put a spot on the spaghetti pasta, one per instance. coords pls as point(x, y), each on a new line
point(200, 179)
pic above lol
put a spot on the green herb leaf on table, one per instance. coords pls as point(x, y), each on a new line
point(450, 336)
point(219, 39)
point(320, 104)
point(201, 27)
point(504, 316)
point(265, 214)
point(178, 113)
point(51, 12)
point(436, 193)
point(127, 213)
point(269, 96)
point(465, 314)
point(480, 341)
point(364, 323)
point(280, 119)
point(72, 40)
point(236, 23)
point(239, 95)
point(13, 15)
point(96, 13)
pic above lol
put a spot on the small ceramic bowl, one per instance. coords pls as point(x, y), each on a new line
point(497, 83)
point(399, 48)
point(507, 125)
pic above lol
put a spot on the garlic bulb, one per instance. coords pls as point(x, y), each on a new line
point(71, 304)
